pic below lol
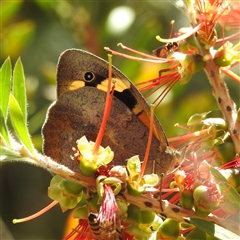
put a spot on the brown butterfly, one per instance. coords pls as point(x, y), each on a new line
point(81, 94)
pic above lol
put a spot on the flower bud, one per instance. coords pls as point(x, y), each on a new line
point(225, 152)
point(196, 234)
point(67, 192)
point(133, 214)
point(170, 229)
point(122, 205)
point(147, 217)
point(186, 199)
point(216, 126)
point(133, 188)
point(179, 176)
point(226, 56)
point(194, 63)
point(206, 199)
point(81, 212)
point(195, 122)
point(233, 177)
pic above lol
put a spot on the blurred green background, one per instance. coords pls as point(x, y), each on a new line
point(38, 31)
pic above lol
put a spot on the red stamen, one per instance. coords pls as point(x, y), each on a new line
point(157, 60)
point(107, 109)
point(235, 163)
point(148, 146)
point(171, 31)
point(182, 37)
point(82, 231)
point(231, 74)
point(36, 214)
point(163, 94)
point(139, 53)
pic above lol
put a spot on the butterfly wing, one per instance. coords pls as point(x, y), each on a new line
point(79, 109)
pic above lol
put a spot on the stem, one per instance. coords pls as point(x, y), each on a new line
point(146, 201)
point(226, 104)
point(179, 214)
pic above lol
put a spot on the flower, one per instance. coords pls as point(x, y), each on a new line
point(109, 212)
point(89, 161)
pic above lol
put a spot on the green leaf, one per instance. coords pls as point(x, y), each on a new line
point(229, 191)
point(213, 229)
point(6, 153)
point(3, 129)
point(5, 85)
point(19, 89)
point(19, 124)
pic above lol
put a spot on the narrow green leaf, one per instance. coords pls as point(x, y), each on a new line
point(229, 191)
point(3, 129)
point(213, 229)
point(6, 153)
point(5, 85)
point(19, 89)
point(19, 124)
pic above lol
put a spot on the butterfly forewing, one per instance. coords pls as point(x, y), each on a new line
point(78, 111)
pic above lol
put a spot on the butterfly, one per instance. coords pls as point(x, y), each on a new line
point(82, 80)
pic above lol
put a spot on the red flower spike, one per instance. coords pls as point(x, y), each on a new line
point(109, 209)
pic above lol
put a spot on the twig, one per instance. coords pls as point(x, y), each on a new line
point(144, 201)
point(226, 104)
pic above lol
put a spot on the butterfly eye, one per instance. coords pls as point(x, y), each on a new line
point(88, 76)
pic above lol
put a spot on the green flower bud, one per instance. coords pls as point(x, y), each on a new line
point(122, 205)
point(217, 126)
point(87, 168)
point(81, 212)
point(170, 229)
point(196, 234)
point(133, 188)
point(194, 63)
point(90, 162)
point(67, 192)
point(199, 234)
point(186, 199)
point(71, 187)
point(226, 56)
point(133, 214)
point(185, 77)
point(225, 152)
point(147, 217)
point(232, 176)
point(195, 122)
point(201, 211)
point(69, 202)
point(205, 200)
